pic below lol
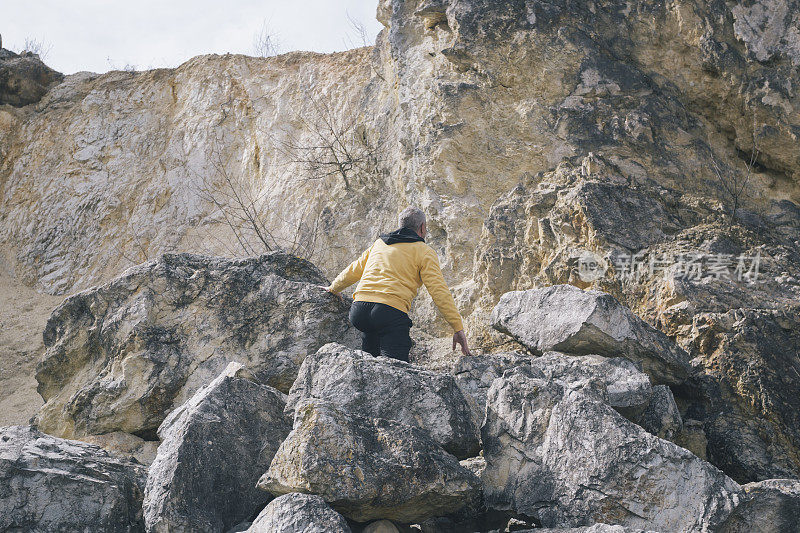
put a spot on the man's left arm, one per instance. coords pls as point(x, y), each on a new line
point(431, 275)
point(350, 275)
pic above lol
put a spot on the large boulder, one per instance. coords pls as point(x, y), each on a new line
point(296, 512)
point(475, 373)
point(379, 387)
point(368, 468)
point(627, 389)
point(771, 506)
point(52, 484)
point(750, 359)
point(624, 386)
point(567, 319)
point(567, 458)
point(213, 450)
point(24, 78)
point(122, 355)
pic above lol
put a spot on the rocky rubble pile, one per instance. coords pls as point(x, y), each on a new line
point(727, 295)
point(534, 134)
point(579, 430)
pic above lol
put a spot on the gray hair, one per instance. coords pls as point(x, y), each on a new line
point(411, 218)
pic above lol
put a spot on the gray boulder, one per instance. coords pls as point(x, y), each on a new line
point(567, 458)
point(24, 78)
point(661, 416)
point(379, 387)
point(567, 319)
point(475, 373)
point(771, 506)
point(120, 356)
point(368, 468)
point(627, 389)
point(299, 513)
point(517, 416)
point(52, 484)
point(213, 450)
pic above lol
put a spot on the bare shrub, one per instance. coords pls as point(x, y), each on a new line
point(128, 67)
point(734, 185)
point(336, 144)
point(244, 210)
point(358, 35)
point(265, 43)
point(38, 47)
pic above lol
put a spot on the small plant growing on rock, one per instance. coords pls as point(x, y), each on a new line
point(38, 47)
point(734, 185)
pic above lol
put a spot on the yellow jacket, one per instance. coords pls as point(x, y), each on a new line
point(391, 274)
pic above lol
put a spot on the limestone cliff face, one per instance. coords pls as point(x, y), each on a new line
point(108, 170)
point(532, 133)
point(462, 99)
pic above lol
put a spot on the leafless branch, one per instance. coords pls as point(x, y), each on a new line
point(38, 47)
point(330, 143)
point(243, 209)
point(358, 35)
point(734, 185)
point(265, 43)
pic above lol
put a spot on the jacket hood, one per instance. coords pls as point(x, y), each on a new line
point(401, 235)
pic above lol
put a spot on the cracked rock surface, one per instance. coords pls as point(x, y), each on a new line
point(52, 484)
point(379, 387)
point(567, 458)
point(368, 468)
point(213, 450)
point(567, 319)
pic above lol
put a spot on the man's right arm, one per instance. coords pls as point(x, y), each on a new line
point(351, 274)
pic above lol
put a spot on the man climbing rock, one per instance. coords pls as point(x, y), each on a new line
point(389, 273)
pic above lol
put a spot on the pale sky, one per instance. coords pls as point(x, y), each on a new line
point(98, 35)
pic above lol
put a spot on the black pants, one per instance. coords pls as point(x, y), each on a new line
point(384, 329)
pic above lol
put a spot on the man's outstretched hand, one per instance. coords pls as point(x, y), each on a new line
point(338, 294)
point(460, 338)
